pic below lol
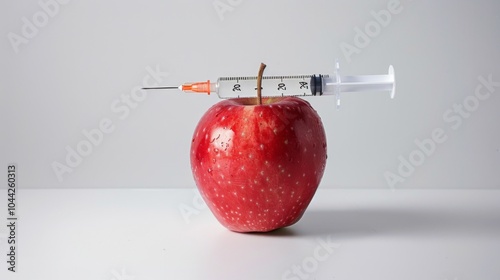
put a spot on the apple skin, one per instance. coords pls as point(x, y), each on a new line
point(258, 166)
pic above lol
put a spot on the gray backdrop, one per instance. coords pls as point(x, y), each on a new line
point(72, 115)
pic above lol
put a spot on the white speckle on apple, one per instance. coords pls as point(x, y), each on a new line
point(282, 170)
point(250, 156)
point(303, 174)
point(289, 175)
point(286, 142)
point(267, 179)
point(305, 150)
point(261, 190)
point(223, 118)
point(275, 131)
point(296, 183)
point(262, 148)
point(204, 129)
point(262, 172)
point(242, 168)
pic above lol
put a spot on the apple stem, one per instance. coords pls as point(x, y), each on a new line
point(259, 82)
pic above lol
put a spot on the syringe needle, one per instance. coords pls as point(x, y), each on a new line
point(201, 87)
point(167, 87)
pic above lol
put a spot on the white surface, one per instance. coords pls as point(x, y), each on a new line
point(141, 235)
point(75, 69)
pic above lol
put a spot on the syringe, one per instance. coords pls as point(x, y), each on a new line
point(298, 85)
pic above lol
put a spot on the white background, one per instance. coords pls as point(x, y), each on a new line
point(139, 234)
point(71, 72)
point(84, 55)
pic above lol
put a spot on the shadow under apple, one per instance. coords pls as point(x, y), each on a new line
point(365, 222)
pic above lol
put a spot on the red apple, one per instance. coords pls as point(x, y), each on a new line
point(258, 166)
